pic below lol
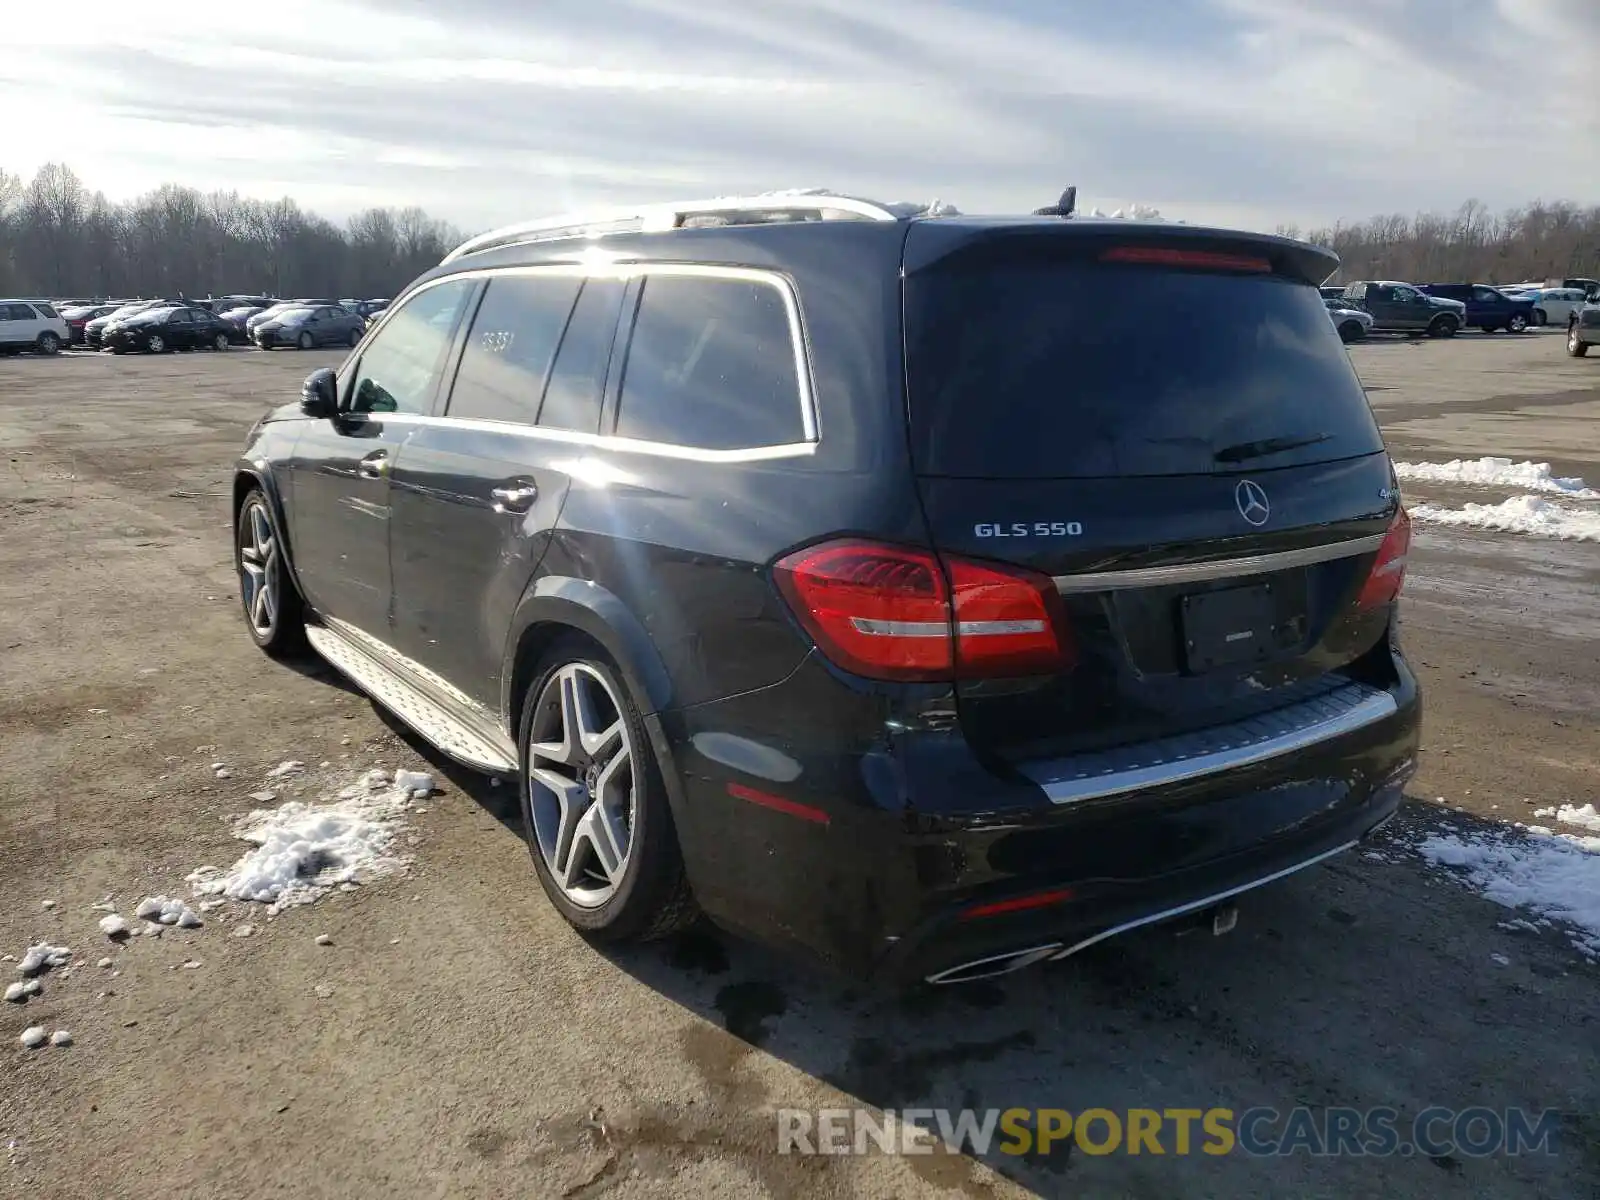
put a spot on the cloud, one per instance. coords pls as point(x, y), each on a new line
point(1245, 112)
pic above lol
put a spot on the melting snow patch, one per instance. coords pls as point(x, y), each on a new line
point(289, 766)
point(61, 1038)
point(1568, 814)
point(1498, 472)
point(168, 910)
point(113, 926)
point(304, 849)
point(42, 957)
point(1554, 876)
point(32, 1037)
point(1520, 514)
point(17, 993)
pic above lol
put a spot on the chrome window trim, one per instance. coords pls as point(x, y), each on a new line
point(1221, 568)
point(604, 267)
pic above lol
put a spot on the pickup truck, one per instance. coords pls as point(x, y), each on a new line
point(1487, 309)
point(1403, 307)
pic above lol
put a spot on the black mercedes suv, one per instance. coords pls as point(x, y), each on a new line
point(933, 594)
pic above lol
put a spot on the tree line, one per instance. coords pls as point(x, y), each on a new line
point(57, 238)
point(1537, 241)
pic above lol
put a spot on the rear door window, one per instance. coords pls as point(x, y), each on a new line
point(513, 341)
point(46, 311)
point(1084, 370)
point(578, 376)
point(712, 365)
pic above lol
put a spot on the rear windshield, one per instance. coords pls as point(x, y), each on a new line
point(1091, 370)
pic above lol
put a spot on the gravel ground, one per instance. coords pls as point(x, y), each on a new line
point(456, 1039)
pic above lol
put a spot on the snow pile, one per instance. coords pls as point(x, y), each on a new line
point(1570, 814)
point(168, 910)
point(1498, 472)
point(304, 849)
point(113, 926)
point(1520, 514)
point(1554, 875)
point(1138, 212)
point(42, 957)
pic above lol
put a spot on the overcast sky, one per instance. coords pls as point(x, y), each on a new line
point(1246, 112)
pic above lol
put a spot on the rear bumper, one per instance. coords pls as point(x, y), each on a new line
point(907, 858)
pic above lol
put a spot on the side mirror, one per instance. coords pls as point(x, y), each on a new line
point(319, 395)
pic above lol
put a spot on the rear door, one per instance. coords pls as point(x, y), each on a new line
point(477, 494)
point(16, 320)
point(1142, 433)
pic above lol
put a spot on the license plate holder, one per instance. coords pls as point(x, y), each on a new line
point(1234, 625)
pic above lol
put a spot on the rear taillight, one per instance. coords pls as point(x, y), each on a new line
point(1389, 570)
point(891, 612)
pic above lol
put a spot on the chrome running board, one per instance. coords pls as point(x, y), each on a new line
point(1189, 756)
point(429, 705)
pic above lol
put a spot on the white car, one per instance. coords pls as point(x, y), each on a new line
point(1352, 323)
point(1553, 306)
point(31, 325)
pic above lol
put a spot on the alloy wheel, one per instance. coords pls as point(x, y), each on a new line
point(580, 780)
point(258, 569)
point(156, 344)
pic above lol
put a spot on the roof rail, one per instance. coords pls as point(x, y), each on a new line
point(651, 218)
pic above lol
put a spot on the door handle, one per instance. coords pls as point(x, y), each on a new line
point(514, 499)
point(374, 465)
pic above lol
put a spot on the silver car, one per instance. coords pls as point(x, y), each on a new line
point(1352, 323)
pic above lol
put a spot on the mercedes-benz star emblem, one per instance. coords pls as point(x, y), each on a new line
point(1252, 502)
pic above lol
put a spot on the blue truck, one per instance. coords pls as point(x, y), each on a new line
point(1488, 308)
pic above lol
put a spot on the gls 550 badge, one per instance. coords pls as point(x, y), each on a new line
point(1026, 529)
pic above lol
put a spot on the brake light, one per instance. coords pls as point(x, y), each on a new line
point(1162, 256)
point(892, 612)
point(1389, 569)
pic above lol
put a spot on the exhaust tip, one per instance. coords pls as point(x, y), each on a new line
point(995, 964)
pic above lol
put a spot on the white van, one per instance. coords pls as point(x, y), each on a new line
point(31, 325)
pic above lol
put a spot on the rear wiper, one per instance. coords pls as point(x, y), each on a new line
point(1247, 450)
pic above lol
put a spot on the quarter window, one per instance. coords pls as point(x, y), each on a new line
point(711, 364)
point(508, 354)
point(400, 368)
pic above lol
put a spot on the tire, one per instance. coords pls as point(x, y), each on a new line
point(1517, 323)
point(1443, 326)
point(1351, 331)
point(156, 344)
point(1539, 317)
point(646, 895)
point(307, 342)
point(1576, 346)
point(220, 342)
point(276, 624)
point(49, 343)
point(355, 338)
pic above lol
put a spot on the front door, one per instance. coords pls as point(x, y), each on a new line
point(341, 468)
point(477, 498)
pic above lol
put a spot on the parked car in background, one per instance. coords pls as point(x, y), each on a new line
point(1554, 306)
point(371, 308)
point(31, 325)
point(1589, 287)
point(1352, 323)
point(272, 310)
point(1583, 329)
point(1406, 308)
point(78, 317)
point(1488, 309)
point(815, 619)
point(94, 331)
point(309, 328)
point(161, 330)
point(236, 318)
point(1331, 291)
